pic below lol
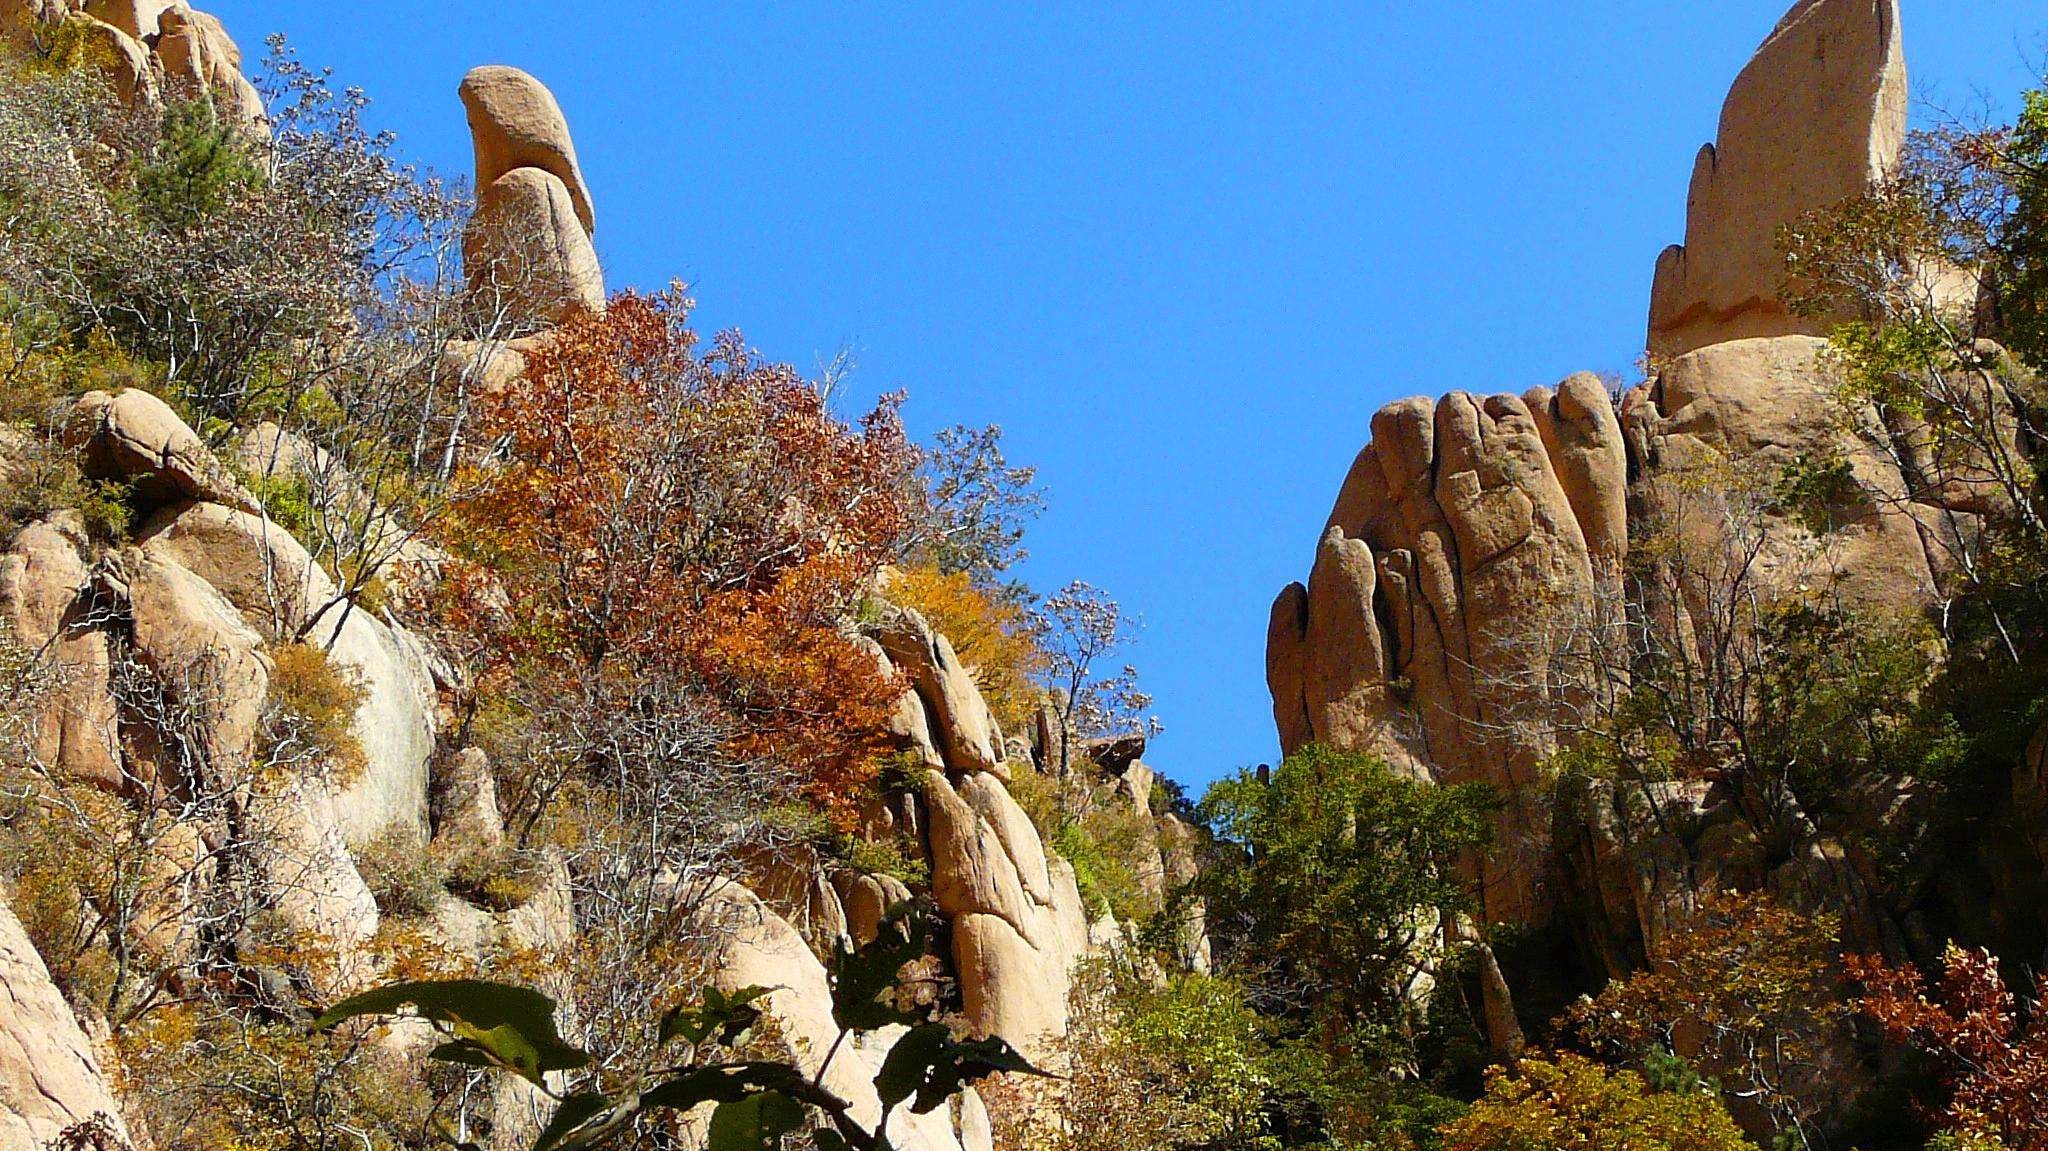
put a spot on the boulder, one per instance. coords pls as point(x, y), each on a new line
point(277, 588)
point(1018, 923)
point(45, 596)
point(1817, 117)
point(467, 822)
point(759, 949)
point(50, 1077)
point(1418, 638)
point(135, 437)
point(529, 262)
point(136, 18)
point(201, 650)
point(1737, 414)
point(1287, 667)
point(120, 57)
point(514, 122)
point(200, 59)
point(957, 717)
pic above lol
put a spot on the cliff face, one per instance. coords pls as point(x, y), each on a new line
point(1494, 566)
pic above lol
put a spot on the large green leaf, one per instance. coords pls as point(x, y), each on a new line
point(491, 1024)
point(862, 976)
point(755, 1123)
point(729, 1017)
point(723, 1083)
point(585, 1120)
point(928, 1065)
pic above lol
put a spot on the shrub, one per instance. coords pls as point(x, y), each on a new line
point(401, 873)
point(1336, 873)
point(310, 716)
point(1574, 1104)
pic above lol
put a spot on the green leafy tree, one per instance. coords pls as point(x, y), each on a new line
point(1343, 876)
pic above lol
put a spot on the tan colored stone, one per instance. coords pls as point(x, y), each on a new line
point(1817, 116)
point(120, 57)
point(1287, 667)
point(50, 1077)
point(134, 436)
point(279, 590)
point(136, 18)
point(529, 262)
point(1740, 413)
point(1582, 436)
point(760, 949)
point(467, 822)
point(201, 59)
point(514, 122)
point(1018, 923)
point(45, 598)
point(958, 718)
point(1346, 689)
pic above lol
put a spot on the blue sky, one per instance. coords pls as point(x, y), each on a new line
point(1180, 252)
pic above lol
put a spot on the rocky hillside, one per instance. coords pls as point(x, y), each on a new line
point(193, 657)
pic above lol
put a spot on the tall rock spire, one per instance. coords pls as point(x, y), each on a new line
point(1817, 116)
point(527, 250)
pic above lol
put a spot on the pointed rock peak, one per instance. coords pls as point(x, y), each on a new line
point(1816, 117)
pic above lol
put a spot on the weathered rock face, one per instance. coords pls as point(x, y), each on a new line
point(147, 49)
point(45, 596)
point(760, 949)
point(1817, 117)
point(199, 58)
point(279, 590)
point(1721, 424)
point(528, 257)
point(1454, 570)
point(50, 1078)
point(1018, 923)
point(527, 250)
point(961, 731)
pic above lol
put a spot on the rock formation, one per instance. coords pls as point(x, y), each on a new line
point(147, 49)
point(1818, 116)
point(527, 250)
point(1460, 608)
point(1417, 635)
point(51, 1080)
point(170, 652)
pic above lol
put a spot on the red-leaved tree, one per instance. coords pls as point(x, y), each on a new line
point(660, 515)
point(1994, 1047)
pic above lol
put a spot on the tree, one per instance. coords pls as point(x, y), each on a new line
point(670, 519)
point(1152, 1065)
point(1079, 627)
point(1747, 992)
point(1992, 1045)
point(1574, 1104)
point(1951, 250)
point(976, 505)
point(990, 630)
point(1342, 874)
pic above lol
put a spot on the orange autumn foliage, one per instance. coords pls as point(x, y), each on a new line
point(668, 513)
point(989, 631)
point(1997, 1065)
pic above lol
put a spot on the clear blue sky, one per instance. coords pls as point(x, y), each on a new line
point(1181, 252)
